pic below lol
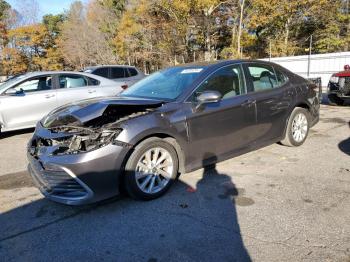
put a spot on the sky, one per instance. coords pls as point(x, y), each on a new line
point(47, 6)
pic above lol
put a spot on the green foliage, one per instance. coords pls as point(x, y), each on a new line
point(4, 6)
point(53, 23)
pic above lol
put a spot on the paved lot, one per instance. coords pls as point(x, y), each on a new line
point(274, 204)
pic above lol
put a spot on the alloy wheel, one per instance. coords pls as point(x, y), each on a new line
point(299, 127)
point(154, 170)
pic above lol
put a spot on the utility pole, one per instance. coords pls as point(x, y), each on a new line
point(309, 57)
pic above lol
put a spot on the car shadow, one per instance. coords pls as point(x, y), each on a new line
point(16, 132)
point(344, 145)
point(325, 100)
point(194, 221)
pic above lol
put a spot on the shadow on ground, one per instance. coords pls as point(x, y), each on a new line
point(344, 145)
point(17, 132)
point(186, 224)
point(325, 101)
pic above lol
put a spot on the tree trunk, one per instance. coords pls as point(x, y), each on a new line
point(240, 28)
point(286, 38)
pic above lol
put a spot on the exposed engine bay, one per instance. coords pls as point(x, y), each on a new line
point(70, 135)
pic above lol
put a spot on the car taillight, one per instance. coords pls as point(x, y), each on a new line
point(124, 86)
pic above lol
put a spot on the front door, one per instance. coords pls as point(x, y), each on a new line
point(225, 126)
point(36, 97)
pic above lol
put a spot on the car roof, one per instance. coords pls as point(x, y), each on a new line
point(220, 63)
point(103, 80)
point(102, 66)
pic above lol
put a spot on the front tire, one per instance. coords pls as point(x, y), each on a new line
point(335, 100)
point(151, 169)
point(297, 127)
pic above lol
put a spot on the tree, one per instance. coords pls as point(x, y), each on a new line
point(4, 7)
point(82, 42)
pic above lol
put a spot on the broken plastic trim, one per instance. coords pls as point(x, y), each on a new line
point(82, 140)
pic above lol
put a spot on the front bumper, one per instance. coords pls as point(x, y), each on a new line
point(78, 179)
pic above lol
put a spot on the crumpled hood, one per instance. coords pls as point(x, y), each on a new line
point(79, 113)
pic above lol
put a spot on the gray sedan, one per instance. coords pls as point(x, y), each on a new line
point(173, 121)
point(26, 98)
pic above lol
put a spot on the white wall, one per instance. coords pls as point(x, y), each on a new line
point(2, 78)
point(322, 65)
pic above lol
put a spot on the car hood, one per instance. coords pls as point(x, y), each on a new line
point(106, 109)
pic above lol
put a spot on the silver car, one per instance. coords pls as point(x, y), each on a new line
point(123, 74)
point(26, 98)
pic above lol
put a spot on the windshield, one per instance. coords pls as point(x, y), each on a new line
point(167, 84)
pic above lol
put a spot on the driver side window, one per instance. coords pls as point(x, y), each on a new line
point(227, 81)
point(35, 84)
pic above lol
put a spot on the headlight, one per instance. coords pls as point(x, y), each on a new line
point(89, 142)
point(84, 140)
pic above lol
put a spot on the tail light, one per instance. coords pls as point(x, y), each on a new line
point(124, 86)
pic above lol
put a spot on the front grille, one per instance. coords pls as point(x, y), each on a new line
point(61, 184)
point(57, 183)
point(51, 179)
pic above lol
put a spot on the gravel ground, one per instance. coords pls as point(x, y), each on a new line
point(274, 204)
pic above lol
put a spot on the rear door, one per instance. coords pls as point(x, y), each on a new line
point(224, 126)
point(121, 75)
point(103, 89)
point(74, 87)
point(274, 96)
point(134, 75)
point(36, 97)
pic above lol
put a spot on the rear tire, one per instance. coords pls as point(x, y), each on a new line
point(334, 100)
point(151, 169)
point(297, 127)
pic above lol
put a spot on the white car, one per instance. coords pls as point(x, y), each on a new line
point(123, 74)
point(26, 98)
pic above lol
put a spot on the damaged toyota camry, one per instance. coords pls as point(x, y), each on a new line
point(174, 121)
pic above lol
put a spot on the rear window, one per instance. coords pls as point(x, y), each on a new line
point(93, 82)
point(117, 72)
point(72, 81)
point(101, 72)
point(263, 77)
point(281, 78)
point(132, 72)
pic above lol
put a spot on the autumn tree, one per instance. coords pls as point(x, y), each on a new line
point(86, 38)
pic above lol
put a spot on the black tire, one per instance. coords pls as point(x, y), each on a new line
point(289, 139)
point(131, 186)
point(335, 100)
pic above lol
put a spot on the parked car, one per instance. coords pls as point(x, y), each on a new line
point(339, 87)
point(126, 75)
point(26, 98)
point(175, 120)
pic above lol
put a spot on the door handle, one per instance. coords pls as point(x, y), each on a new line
point(92, 91)
point(49, 96)
point(248, 103)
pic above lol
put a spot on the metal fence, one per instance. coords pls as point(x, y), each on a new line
point(321, 65)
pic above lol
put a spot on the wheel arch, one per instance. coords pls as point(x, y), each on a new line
point(171, 140)
point(298, 105)
point(302, 105)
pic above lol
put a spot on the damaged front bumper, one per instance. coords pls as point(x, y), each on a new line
point(78, 177)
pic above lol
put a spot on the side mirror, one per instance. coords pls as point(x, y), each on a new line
point(209, 97)
point(14, 92)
